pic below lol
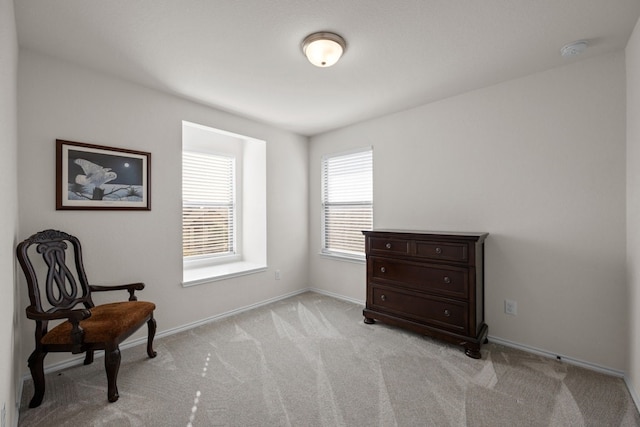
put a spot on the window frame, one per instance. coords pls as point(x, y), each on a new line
point(345, 255)
point(235, 253)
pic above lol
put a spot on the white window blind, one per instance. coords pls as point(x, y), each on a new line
point(208, 204)
point(347, 201)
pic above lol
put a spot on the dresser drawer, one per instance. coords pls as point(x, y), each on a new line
point(437, 279)
point(439, 312)
point(442, 251)
point(384, 245)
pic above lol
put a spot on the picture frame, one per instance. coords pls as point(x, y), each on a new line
point(97, 177)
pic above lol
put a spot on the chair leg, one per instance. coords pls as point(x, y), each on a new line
point(112, 365)
point(36, 365)
point(88, 358)
point(151, 323)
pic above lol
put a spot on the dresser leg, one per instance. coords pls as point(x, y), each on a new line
point(369, 321)
point(473, 352)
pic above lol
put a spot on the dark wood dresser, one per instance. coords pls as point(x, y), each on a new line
point(428, 282)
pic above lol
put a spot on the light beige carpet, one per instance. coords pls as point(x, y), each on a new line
point(311, 361)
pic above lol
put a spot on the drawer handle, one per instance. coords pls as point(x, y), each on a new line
point(383, 297)
point(447, 279)
point(438, 251)
point(383, 270)
point(447, 313)
point(388, 246)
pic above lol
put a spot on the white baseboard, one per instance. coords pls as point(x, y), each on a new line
point(523, 347)
point(632, 391)
point(528, 349)
point(18, 397)
point(576, 362)
point(336, 296)
point(567, 359)
point(142, 340)
point(220, 316)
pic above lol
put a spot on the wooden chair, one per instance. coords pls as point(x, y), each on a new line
point(86, 328)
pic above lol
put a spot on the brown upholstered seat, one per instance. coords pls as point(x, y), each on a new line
point(69, 296)
point(107, 323)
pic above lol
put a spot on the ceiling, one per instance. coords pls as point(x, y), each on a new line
point(244, 56)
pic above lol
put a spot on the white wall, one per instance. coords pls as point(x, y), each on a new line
point(633, 202)
point(60, 100)
point(539, 163)
point(9, 307)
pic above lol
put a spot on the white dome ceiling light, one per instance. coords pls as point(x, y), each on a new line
point(323, 49)
point(573, 49)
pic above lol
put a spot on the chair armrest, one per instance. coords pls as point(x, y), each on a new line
point(73, 316)
point(131, 288)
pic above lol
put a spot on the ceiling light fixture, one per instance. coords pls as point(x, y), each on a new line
point(323, 49)
point(573, 49)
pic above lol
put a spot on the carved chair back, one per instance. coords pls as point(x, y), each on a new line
point(64, 281)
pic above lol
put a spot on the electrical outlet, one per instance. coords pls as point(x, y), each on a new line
point(278, 275)
point(510, 307)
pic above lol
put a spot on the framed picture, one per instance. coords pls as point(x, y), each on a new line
point(103, 178)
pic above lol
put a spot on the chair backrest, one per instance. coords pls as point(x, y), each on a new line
point(65, 282)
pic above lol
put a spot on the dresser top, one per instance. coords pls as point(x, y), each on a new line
point(476, 236)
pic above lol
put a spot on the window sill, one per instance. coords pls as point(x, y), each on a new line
point(199, 275)
point(357, 259)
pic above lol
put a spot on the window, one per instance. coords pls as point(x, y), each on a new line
point(208, 205)
point(347, 202)
point(224, 225)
